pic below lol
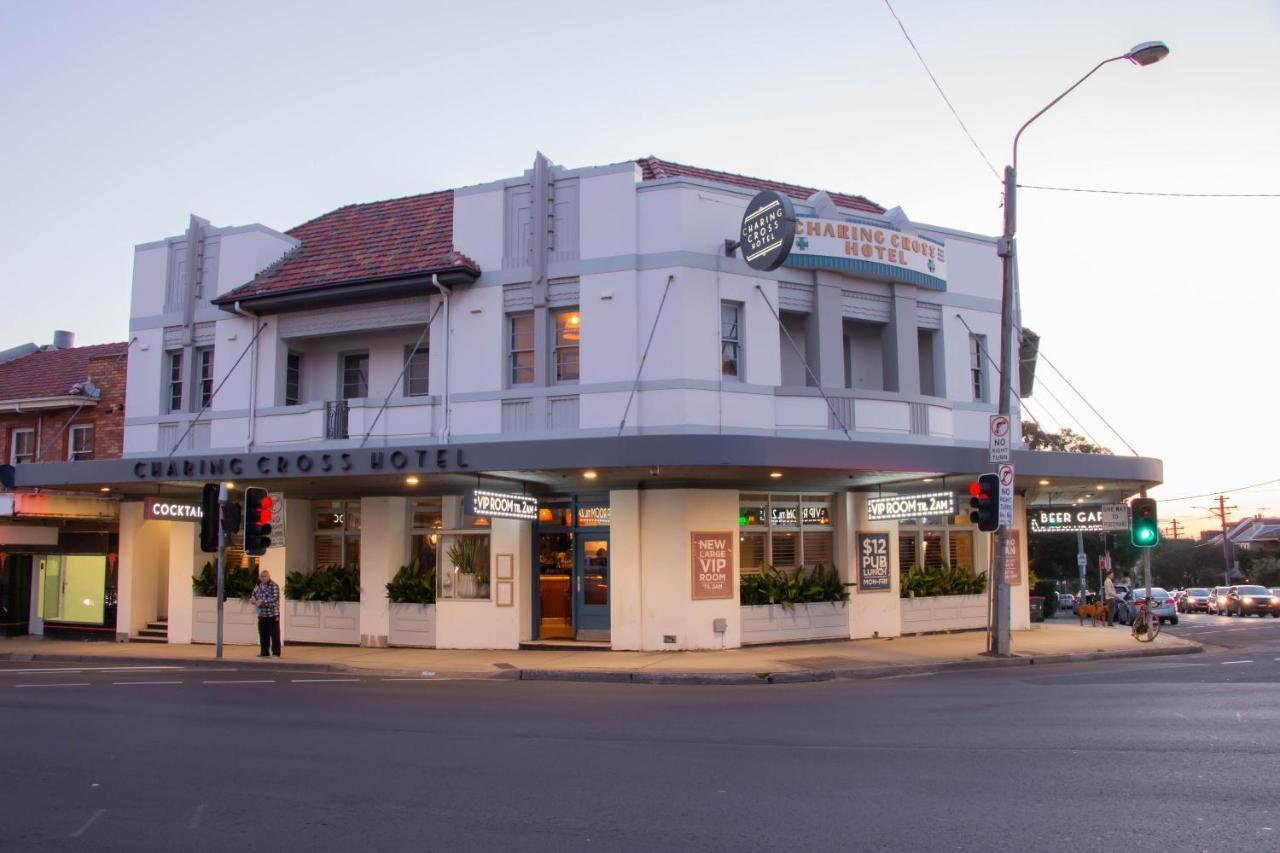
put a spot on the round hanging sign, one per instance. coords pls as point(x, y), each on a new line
point(768, 230)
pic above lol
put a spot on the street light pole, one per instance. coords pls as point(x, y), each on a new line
point(1144, 54)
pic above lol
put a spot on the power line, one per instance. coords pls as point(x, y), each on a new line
point(1219, 491)
point(938, 86)
point(1142, 193)
point(1115, 431)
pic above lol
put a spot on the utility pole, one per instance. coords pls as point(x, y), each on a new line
point(1228, 550)
point(1174, 527)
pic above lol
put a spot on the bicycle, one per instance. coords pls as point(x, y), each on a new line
point(1146, 624)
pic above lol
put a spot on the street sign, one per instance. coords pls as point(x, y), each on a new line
point(1006, 494)
point(277, 519)
point(1082, 560)
point(1115, 516)
point(1000, 438)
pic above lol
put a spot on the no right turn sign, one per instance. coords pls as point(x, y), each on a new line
point(1000, 438)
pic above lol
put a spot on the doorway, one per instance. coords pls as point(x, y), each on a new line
point(572, 588)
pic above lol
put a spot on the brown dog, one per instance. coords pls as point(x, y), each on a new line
point(1097, 613)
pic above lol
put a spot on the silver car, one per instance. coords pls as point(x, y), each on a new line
point(1162, 605)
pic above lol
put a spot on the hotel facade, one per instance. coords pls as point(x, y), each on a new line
point(567, 399)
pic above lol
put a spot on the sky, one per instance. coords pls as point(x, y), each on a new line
point(120, 119)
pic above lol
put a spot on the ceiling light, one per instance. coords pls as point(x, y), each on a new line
point(105, 489)
point(229, 485)
point(590, 475)
point(928, 479)
point(1044, 482)
point(777, 475)
point(411, 480)
point(1099, 487)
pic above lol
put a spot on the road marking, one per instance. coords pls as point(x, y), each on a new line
point(1229, 662)
point(244, 681)
point(99, 813)
point(195, 820)
point(60, 684)
point(321, 680)
point(121, 683)
point(82, 669)
point(906, 675)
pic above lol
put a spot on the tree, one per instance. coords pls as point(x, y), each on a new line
point(1063, 441)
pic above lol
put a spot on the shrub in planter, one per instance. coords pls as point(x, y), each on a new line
point(238, 583)
point(327, 583)
point(789, 588)
point(921, 582)
point(413, 585)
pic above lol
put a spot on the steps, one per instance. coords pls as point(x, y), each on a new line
point(155, 632)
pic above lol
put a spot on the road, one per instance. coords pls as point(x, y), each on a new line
point(1062, 757)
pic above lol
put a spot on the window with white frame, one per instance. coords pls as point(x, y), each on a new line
point(80, 442)
point(337, 534)
point(459, 544)
point(204, 377)
point(785, 531)
point(22, 446)
point(931, 546)
point(173, 391)
point(978, 366)
point(415, 372)
point(293, 379)
point(355, 376)
point(520, 348)
point(567, 323)
point(731, 339)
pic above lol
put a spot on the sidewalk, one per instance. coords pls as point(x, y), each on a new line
point(1050, 642)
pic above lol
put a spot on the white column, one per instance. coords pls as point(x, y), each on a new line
point(384, 548)
point(626, 587)
point(876, 613)
point(1020, 594)
point(144, 555)
point(185, 560)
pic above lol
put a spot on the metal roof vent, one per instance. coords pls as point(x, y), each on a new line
point(63, 339)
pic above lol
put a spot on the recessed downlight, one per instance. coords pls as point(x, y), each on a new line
point(777, 475)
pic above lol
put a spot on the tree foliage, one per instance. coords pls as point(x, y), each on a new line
point(1064, 440)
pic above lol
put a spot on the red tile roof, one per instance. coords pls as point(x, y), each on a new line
point(360, 242)
point(654, 169)
point(52, 372)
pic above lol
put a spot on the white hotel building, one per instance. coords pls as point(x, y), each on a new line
point(582, 337)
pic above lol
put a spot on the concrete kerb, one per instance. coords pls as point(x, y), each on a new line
point(864, 673)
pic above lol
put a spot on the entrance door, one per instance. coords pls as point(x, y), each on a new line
point(591, 586)
point(555, 586)
point(51, 587)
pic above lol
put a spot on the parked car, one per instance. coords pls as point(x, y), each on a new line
point(1162, 605)
point(1247, 600)
point(1196, 600)
point(1066, 602)
point(1217, 599)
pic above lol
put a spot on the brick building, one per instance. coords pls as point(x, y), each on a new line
point(58, 547)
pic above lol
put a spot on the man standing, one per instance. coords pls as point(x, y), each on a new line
point(1108, 597)
point(266, 597)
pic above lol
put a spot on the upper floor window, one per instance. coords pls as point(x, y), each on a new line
point(22, 446)
point(415, 374)
point(978, 366)
point(293, 379)
point(731, 339)
point(204, 376)
point(174, 393)
point(80, 442)
point(355, 376)
point(568, 326)
point(520, 345)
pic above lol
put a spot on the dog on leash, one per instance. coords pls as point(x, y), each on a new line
point(1097, 613)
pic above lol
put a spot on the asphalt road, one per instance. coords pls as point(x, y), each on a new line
point(1063, 757)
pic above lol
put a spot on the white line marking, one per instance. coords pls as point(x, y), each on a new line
point(81, 669)
point(195, 820)
point(243, 681)
point(905, 675)
point(99, 813)
point(1229, 662)
point(144, 682)
point(60, 684)
point(321, 680)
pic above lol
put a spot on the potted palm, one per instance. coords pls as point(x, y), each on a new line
point(462, 556)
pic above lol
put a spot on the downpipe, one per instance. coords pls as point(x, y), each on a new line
point(253, 376)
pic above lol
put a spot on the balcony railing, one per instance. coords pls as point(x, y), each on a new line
point(335, 419)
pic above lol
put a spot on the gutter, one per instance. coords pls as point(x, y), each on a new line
point(32, 404)
point(253, 376)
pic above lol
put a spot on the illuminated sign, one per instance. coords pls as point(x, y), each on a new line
point(785, 516)
point(165, 509)
point(936, 504)
point(1086, 519)
point(767, 232)
point(502, 505)
point(870, 250)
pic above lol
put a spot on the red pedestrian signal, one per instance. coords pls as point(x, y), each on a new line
point(257, 521)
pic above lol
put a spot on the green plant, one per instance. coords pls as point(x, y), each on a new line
point(462, 555)
point(789, 588)
point(327, 583)
point(238, 582)
point(413, 585)
point(920, 582)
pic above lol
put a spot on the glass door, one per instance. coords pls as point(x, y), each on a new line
point(51, 582)
point(555, 586)
point(591, 586)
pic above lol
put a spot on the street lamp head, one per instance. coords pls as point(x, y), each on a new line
point(1147, 53)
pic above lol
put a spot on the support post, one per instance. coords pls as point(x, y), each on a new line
point(1001, 641)
point(222, 566)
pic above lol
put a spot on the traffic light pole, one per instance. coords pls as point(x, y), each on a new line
point(1001, 640)
point(222, 565)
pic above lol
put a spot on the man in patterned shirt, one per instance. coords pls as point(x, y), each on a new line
point(266, 597)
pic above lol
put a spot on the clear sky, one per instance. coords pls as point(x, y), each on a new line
point(121, 118)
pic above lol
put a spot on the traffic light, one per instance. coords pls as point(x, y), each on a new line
point(257, 521)
point(985, 502)
point(209, 518)
point(1144, 530)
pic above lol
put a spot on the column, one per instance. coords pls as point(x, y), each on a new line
point(824, 336)
point(876, 613)
point(185, 560)
point(626, 590)
point(384, 548)
point(902, 355)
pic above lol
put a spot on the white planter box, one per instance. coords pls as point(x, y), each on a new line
point(336, 622)
point(239, 621)
point(412, 625)
point(773, 623)
point(943, 613)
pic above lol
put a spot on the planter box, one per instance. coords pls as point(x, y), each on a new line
point(412, 625)
point(943, 613)
point(239, 621)
point(336, 623)
point(773, 623)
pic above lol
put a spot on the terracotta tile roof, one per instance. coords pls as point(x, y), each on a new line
point(359, 242)
point(654, 169)
point(52, 372)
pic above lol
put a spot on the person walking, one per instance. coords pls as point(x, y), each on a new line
point(1109, 598)
point(266, 597)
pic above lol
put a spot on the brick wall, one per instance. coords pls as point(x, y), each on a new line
point(107, 417)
